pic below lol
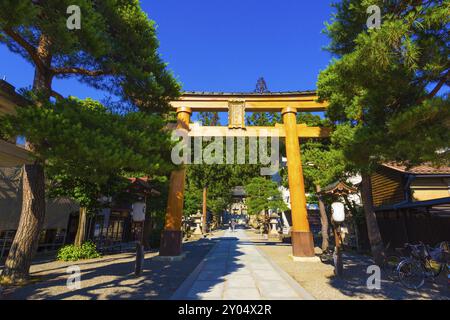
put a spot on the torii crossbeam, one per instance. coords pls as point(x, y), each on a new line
point(236, 104)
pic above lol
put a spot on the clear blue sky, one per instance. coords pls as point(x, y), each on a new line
point(214, 45)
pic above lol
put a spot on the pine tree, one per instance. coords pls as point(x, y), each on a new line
point(386, 89)
point(114, 50)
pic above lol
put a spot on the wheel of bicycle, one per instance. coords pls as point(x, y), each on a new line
point(390, 266)
point(411, 273)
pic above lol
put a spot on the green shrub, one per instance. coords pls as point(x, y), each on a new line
point(88, 250)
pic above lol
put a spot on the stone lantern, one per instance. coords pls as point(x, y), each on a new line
point(274, 223)
point(198, 222)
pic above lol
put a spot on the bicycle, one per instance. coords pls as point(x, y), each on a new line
point(423, 263)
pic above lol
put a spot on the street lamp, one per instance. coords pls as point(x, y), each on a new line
point(338, 216)
point(338, 211)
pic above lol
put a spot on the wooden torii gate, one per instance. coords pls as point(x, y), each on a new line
point(236, 104)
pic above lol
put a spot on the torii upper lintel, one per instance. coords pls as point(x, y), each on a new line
point(253, 102)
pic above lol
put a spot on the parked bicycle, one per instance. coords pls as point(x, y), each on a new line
point(420, 262)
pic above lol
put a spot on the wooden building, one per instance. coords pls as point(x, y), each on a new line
point(11, 154)
point(112, 228)
point(58, 212)
point(412, 204)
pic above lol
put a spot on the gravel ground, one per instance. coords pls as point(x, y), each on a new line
point(111, 277)
point(318, 278)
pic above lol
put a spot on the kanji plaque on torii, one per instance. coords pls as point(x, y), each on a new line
point(288, 103)
point(236, 114)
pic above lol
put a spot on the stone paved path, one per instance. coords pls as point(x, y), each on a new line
point(236, 269)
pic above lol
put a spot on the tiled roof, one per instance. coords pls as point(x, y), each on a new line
point(338, 187)
point(144, 183)
point(283, 93)
point(422, 169)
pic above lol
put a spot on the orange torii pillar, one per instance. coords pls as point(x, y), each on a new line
point(302, 239)
point(172, 236)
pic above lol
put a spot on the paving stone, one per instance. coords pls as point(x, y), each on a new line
point(237, 272)
point(206, 289)
point(241, 294)
point(267, 275)
point(260, 266)
point(276, 289)
point(240, 282)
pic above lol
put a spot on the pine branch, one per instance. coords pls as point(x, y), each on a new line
point(80, 71)
point(439, 85)
point(30, 49)
point(57, 95)
point(437, 88)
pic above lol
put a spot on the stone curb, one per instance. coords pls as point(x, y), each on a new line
point(183, 289)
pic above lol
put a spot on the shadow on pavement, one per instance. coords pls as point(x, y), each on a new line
point(113, 277)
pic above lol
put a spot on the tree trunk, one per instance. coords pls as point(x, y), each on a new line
point(376, 242)
point(26, 240)
point(81, 230)
point(204, 215)
point(323, 221)
point(25, 243)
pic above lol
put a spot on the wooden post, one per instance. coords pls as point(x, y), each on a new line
point(172, 236)
point(337, 255)
point(302, 240)
point(204, 213)
point(139, 248)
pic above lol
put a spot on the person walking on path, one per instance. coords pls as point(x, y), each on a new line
point(233, 226)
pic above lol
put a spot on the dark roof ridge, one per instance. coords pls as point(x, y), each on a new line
point(247, 93)
point(425, 168)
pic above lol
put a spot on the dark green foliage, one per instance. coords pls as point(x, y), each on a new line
point(156, 206)
point(219, 179)
point(215, 177)
point(209, 118)
point(88, 150)
point(263, 194)
point(83, 137)
point(263, 118)
point(115, 49)
point(323, 163)
point(387, 90)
